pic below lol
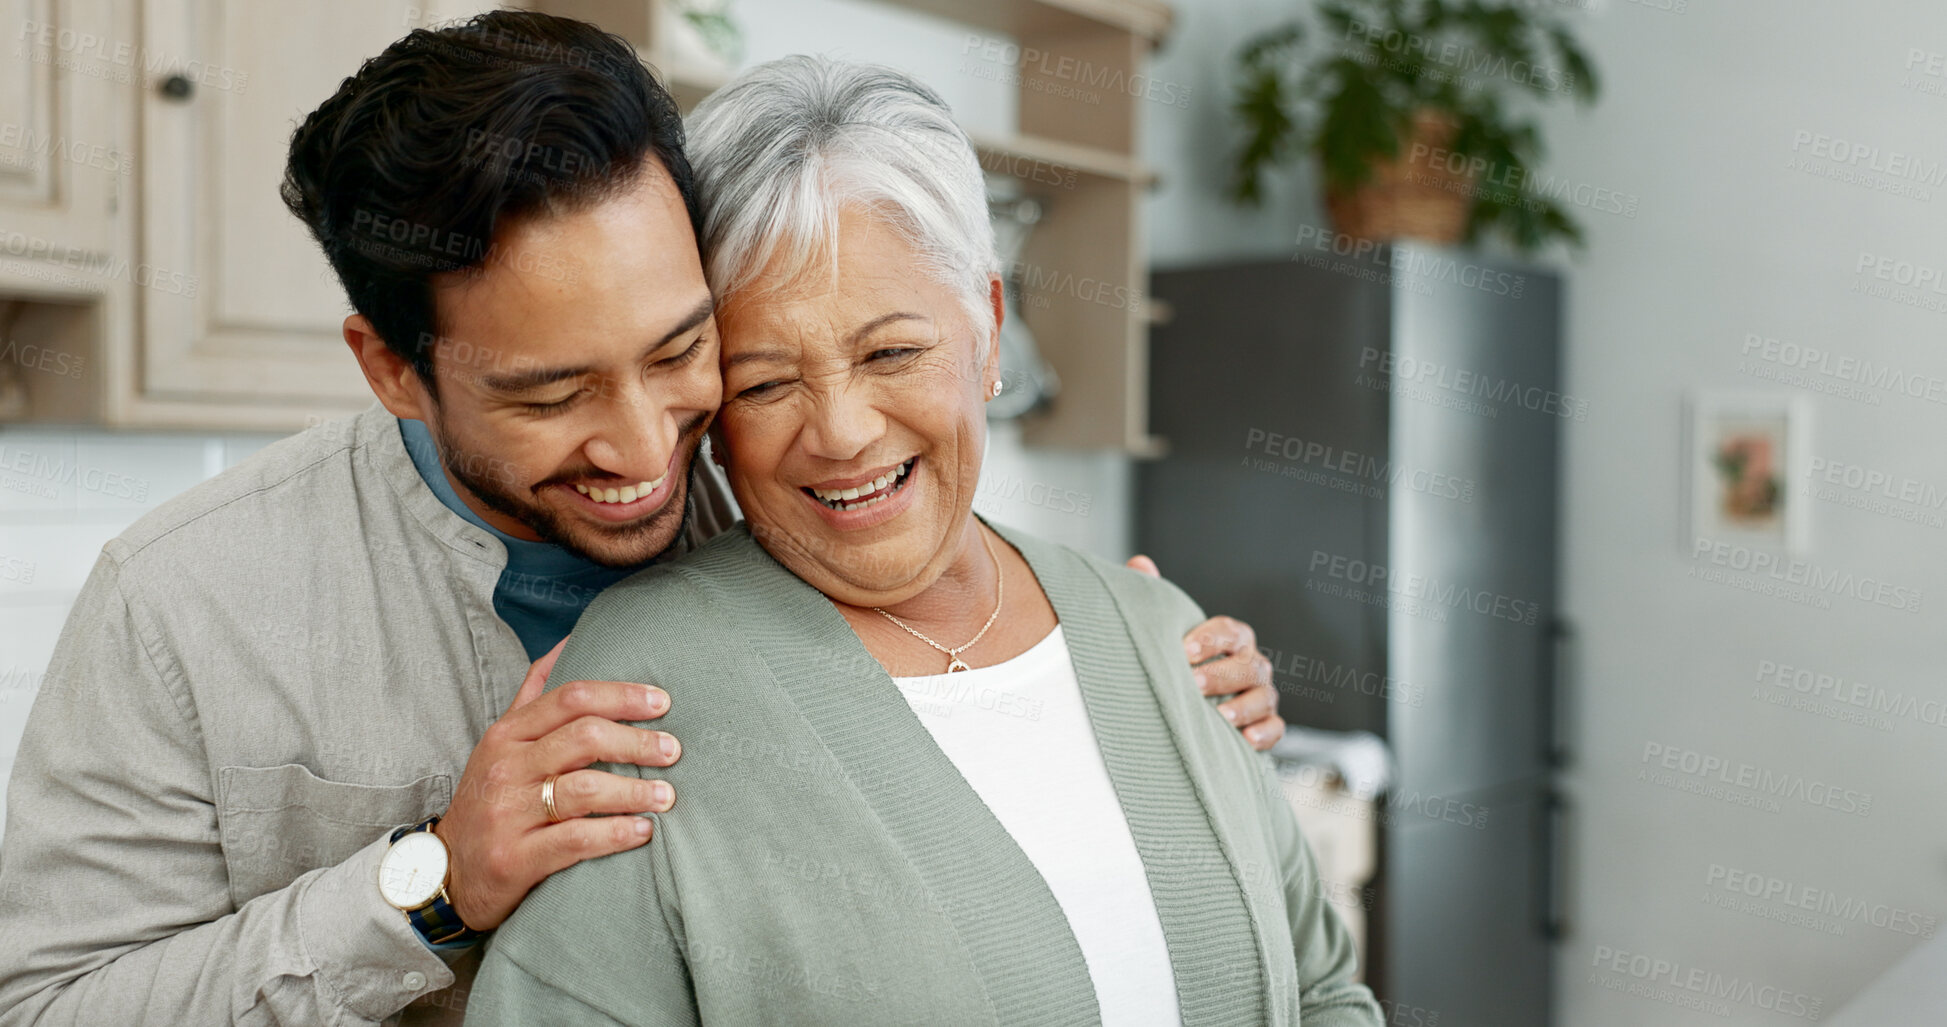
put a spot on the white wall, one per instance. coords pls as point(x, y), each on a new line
point(1700, 121)
point(1190, 220)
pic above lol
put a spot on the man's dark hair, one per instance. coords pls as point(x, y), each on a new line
point(410, 168)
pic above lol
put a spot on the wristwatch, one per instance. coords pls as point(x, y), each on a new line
point(412, 877)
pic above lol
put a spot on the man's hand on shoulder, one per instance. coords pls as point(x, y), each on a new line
point(501, 840)
point(1223, 655)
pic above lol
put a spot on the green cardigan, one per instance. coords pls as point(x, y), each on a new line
point(825, 863)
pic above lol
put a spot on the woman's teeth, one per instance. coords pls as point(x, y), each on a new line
point(864, 495)
point(625, 494)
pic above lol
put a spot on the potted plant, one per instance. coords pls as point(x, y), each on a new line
point(1408, 107)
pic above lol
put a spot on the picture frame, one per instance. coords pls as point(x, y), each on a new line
point(1749, 465)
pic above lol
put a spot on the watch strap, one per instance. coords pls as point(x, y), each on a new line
point(437, 923)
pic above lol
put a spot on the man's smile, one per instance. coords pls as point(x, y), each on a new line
point(615, 502)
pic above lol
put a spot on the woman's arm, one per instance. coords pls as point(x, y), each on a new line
point(1327, 957)
point(594, 943)
point(505, 993)
point(590, 945)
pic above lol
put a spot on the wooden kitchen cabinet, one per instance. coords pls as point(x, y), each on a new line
point(193, 299)
point(1080, 69)
point(181, 286)
point(64, 165)
point(200, 301)
point(254, 338)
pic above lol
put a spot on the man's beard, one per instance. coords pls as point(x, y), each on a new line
point(617, 546)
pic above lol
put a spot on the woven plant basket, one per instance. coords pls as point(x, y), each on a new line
point(1406, 198)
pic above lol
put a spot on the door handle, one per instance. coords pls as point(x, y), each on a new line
point(1557, 661)
point(1551, 867)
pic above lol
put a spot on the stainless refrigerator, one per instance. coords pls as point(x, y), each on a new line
point(1362, 463)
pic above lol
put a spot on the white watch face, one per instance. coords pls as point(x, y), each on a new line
point(412, 870)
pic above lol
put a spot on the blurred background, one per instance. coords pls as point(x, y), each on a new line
point(1556, 386)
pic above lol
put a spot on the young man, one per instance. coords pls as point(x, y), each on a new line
point(291, 755)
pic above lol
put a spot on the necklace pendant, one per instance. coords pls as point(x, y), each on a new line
point(957, 665)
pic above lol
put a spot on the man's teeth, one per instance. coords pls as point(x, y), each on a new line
point(862, 496)
point(625, 494)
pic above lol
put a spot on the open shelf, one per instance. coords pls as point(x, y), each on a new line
point(1023, 18)
point(1083, 274)
point(1075, 146)
point(999, 153)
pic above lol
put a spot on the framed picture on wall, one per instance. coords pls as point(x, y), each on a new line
point(1750, 470)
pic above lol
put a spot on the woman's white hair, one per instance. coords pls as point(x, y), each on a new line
point(789, 144)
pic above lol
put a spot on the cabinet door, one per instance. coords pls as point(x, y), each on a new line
point(241, 306)
point(63, 165)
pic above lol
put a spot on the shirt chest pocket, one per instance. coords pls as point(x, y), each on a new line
point(279, 822)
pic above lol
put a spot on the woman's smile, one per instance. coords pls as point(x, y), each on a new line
point(866, 500)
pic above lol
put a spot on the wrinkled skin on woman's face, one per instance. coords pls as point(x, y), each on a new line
point(854, 416)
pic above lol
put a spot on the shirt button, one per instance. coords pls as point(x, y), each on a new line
point(415, 980)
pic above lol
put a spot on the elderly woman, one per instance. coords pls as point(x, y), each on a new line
point(969, 779)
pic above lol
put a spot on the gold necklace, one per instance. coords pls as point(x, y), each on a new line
point(954, 662)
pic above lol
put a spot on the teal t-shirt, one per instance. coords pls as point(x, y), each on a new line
point(544, 588)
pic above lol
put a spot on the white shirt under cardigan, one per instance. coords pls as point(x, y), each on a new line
point(1020, 735)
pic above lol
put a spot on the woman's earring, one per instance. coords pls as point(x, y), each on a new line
point(997, 388)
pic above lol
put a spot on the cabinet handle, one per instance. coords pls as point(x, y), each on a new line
point(176, 87)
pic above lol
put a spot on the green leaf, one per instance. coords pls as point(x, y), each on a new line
point(1260, 105)
point(1575, 63)
point(1359, 129)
